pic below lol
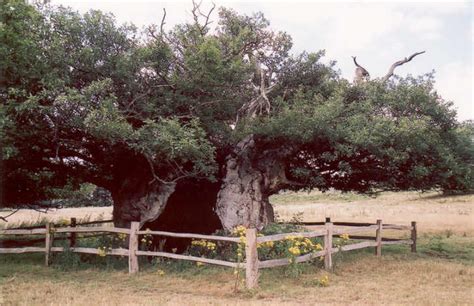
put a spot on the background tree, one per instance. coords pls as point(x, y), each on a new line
point(178, 124)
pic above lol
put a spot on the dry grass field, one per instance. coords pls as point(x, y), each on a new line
point(433, 212)
point(441, 273)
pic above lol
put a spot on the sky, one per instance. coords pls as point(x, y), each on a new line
point(377, 32)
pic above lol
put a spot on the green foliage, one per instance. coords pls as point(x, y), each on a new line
point(67, 260)
point(85, 100)
point(86, 195)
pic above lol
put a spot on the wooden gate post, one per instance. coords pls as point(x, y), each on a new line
point(378, 238)
point(48, 243)
point(72, 237)
point(133, 248)
point(251, 258)
point(328, 246)
point(413, 236)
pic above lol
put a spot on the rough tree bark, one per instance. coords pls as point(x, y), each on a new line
point(251, 176)
point(136, 200)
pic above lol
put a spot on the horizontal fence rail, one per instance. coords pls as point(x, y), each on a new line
point(92, 230)
point(189, 235)
point(191, 258)
point(278, 237)
point(72, 221)
point(252, 264)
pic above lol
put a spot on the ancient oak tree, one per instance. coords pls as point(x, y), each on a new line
point(194, 127)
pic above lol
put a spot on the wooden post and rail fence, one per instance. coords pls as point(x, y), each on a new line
point(252, 263)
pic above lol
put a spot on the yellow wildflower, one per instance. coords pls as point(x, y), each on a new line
point(211, 246)
point(295, 251)
point(199, 264)
point(63, 222)
point(324, 281)
point(102, 251)
point(345, 236)
point(161, 272)
point(318, 246)
point(239, 230)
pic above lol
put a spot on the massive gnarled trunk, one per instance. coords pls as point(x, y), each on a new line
point(252, 174)
point(138, 200)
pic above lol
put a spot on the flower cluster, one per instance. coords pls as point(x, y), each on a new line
point(147, 240)
point(63, 222)
point(344, 237)
point(268, 244)
point(103, 250)
point(239, 231)
point(122, 236)
point(204, 244)
point(304, 245)
point(294, 250)
point(324, 281)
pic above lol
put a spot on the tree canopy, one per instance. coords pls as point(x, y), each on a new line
point(84, 99)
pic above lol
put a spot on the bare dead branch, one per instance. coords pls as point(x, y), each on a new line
point(260, 104)
point(9, 215)
point(163, 22)
point(38, 208)
point(399, 63)
point(207, 22)
point(152, 169)
point(196, 11)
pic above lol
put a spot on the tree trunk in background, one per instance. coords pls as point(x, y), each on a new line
point(251, 177)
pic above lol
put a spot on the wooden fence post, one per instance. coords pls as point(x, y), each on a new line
point(328, 246)
point(378, 238)
point(72, 236)
point(133, 248)
point(251, 258)
point(413, 236)
point(48, 243)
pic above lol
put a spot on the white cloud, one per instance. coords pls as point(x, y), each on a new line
point(454, 83)
point(425, 27)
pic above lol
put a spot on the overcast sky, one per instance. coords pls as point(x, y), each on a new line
point(378, 33)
